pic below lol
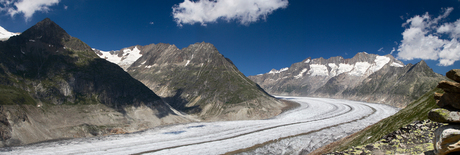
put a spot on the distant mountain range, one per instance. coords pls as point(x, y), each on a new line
point(197, 80)
point(53, 86)
point(365, 77)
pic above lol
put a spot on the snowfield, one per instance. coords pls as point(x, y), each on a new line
point(316, 122)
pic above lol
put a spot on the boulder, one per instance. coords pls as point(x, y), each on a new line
point(437, 96)
point(444, 116)
point(446, 139)
point(454, 74)
point(449, 87)
point(449, 100)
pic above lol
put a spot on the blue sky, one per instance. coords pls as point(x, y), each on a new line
point(276, 35)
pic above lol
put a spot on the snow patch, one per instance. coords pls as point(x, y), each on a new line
point(380, 61)
point(344, 68)
point(334, 69)
point(301, 73)
point(129, 57)
point(188, 61)
point(276, 71)
point(5, 35)
point(318, 70)
point(394, 64)
point(284, 69)
point(360, 68)
point(307, 61)
point(365, 68)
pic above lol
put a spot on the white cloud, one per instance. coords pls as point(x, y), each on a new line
point(151, 23)
point(26, 7)
point(427, 38)
point(65, 7)
point(209, 11)
point(393, 50)
point(380, 49)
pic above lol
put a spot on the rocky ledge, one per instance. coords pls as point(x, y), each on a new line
point(447, 138)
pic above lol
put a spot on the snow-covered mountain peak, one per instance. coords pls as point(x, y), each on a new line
point(274, 71)
point(5, 34)
point(124, 57)
point(361, 65)
point(365, 77)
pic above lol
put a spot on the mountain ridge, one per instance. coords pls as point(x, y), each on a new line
point(199, 80)
point(364, 77)
point(54, 86)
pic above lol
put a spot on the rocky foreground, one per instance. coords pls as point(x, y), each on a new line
point(447, 138)
point(415, 138)
point(439, 135)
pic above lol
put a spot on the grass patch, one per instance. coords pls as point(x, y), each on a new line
point(417, 110)
point(12, 96)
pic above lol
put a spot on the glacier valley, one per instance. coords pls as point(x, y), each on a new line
point(317, 122)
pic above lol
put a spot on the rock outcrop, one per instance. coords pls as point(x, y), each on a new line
point(447, 138)
point(414, 138)
point(365, 77)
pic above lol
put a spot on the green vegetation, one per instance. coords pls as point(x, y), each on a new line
point(417, 110)
point(12, 96)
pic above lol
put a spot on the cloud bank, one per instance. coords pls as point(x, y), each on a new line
point(209, 11)
point(431, 39)
point(27, 7)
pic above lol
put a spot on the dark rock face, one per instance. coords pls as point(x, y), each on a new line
point(45, 69)
point(454, 74)
point(199, 80)
point(365, 77)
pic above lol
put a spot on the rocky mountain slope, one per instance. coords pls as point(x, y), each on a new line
point(407, 132)
point(53, 86)
point(201, 81)
point(365, 77)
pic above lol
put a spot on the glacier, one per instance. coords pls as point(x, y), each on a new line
point(315, 123)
